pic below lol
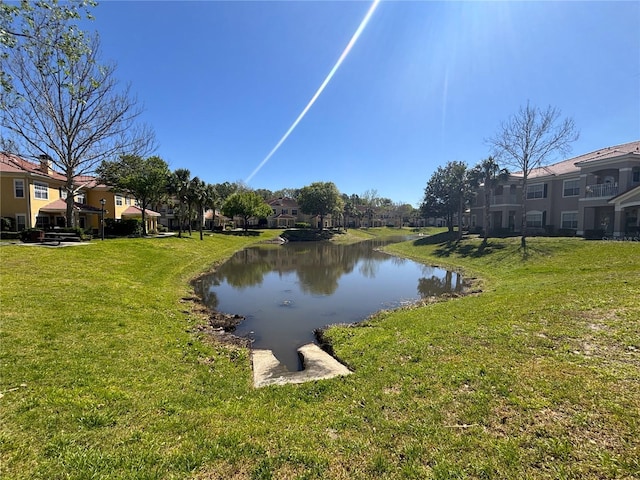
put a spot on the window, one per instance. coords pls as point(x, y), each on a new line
point(294, 211)
point(81, 198)
point(118, 200)
point(21, 222)
point(570, 220)
point(571, 188)
point(63, 193)
point(285, 211)
point(635, 175)
point(42, 222)
point(534, 219)
point(127, 200)
point(539, 190)
point(41, 190)
point(18, 188)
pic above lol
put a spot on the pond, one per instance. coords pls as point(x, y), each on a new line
point(286, 292)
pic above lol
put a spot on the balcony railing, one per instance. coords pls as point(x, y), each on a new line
point(601, 190)
point(509, 199)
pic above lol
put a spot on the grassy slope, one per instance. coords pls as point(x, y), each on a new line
point(536, 377)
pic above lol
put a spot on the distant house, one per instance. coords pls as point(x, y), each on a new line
point(595, 194)
point(32, 195)
point(286, 213)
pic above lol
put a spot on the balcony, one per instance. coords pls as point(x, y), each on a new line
point(508, 199)
point(601, 190)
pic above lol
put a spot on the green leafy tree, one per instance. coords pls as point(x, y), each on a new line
point(246, 204)
point(144, 179)
point(446, 193)
point(58, 102)
point(405, 212)
point(225, 190)
point(320, 198)
point(488, 174)
point(287, 193)
point(265, 193)
point(528, 140)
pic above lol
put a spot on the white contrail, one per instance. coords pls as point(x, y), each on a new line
point(326, 81)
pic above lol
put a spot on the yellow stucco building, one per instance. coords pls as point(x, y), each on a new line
point(32, 195)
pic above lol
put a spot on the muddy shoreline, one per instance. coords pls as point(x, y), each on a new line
point(218, 325)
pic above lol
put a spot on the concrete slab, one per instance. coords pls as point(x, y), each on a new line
point(317, 364)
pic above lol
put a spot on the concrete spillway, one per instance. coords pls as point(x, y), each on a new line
point(317, 363)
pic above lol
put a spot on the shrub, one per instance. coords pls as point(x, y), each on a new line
point(594, 234)
point(4, 235)
point(302, 225)
point(307, 235)
point(6, 224)
point(123, 228)
point(566, 232)
point(501, 232)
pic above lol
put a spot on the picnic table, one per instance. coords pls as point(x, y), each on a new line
point(60, 237)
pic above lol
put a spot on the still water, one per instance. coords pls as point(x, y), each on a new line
point(286, 292)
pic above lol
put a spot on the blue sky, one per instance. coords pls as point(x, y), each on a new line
point(426, 83)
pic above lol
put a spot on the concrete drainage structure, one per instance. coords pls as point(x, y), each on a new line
point(318, 365)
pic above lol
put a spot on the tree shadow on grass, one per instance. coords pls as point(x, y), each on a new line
point(450, 245)
point(529, 250)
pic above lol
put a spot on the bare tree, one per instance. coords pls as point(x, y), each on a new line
point(528, 139)
point(66, 107)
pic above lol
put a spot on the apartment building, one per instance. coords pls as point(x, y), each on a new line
point(32, 195)
point(595, 194)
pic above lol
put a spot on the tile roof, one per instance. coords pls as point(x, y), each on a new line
point(574, 164)
point(210, 215)
point(60, 205)
point(283, 202)
point(610, 152)
point(10, 163)
point(135, 210)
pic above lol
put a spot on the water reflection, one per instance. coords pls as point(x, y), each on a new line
point(286, 292)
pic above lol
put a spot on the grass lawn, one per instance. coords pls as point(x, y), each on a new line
point(537, 376)
point(354, 235)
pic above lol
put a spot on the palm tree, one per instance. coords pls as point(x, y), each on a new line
point(489, 174)
point(179, 188)
point(204, 196)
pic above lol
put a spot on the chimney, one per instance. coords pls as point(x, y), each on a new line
point(45, 164)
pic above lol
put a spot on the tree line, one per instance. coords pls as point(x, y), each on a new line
point(150, 182)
